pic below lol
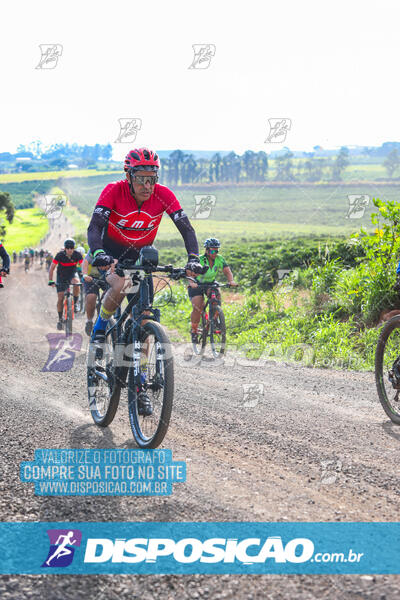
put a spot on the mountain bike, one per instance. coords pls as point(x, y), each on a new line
point(136, 355)
point(69, 309)
point(387, 368)
point(80, 307)
point(212, 322)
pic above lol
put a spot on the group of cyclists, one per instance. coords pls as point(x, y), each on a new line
point(125, 219)
point(28, 256)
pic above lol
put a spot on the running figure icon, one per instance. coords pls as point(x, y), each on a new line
point(62, 549)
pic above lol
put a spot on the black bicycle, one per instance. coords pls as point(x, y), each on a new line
point(136, 355)
point(212, 322)
point(387, 368)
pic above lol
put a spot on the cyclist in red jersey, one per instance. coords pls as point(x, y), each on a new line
point(126, 218)
point(67, 261)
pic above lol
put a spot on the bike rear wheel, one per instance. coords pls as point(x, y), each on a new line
point(157, 381)
point(103, 392)
point(217, 332)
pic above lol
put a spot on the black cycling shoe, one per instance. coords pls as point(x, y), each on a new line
point(144, 405)
point(88, 327)
point(59, 325)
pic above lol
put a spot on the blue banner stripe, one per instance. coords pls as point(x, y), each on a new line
point(189, 548)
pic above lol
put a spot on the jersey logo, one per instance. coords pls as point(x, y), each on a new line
point(136, 225)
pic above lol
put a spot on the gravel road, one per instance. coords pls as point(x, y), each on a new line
point(315, 446)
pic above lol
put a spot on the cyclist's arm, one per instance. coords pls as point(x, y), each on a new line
point(187, 232)
point(51, 270)
point(99, 220)
point(228, 274)
point(5, 257)
point(85, 267)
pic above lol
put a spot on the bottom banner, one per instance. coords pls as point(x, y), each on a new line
point(188, 548)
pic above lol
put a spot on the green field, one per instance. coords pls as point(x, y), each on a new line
point(43, 175)
point(22, 193)
point(27, 229)
point(254, 212)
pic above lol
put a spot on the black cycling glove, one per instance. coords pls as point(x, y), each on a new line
point(102, 260)
point(196, 267)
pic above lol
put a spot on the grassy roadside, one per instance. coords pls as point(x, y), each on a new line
point(279, 326)
point(27, 229)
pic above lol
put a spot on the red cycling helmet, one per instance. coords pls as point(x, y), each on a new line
point(141, 159)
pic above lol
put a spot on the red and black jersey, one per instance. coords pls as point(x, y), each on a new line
point(120, 227)
point(67, 264)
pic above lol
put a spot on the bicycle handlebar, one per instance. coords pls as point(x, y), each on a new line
point(175, 273)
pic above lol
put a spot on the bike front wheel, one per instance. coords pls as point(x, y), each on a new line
point(68, 310)
point(155, 378)
point(103, 392)
point(387, 368)
point(218, 332)
point(199, 346)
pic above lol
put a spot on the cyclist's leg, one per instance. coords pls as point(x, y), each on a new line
point(75, 279)
point(90, 305)
point(196, 297)
point(111, 301)
point(61, 285)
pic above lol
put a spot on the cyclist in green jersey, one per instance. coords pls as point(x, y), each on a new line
point(215, 263)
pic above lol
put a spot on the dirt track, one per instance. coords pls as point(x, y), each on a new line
point(316, 447)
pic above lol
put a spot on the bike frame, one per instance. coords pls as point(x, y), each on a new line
point(67, 294)
point(135, 308)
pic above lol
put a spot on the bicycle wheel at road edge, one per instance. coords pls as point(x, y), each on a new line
point(387, 358)
point(149, 431)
